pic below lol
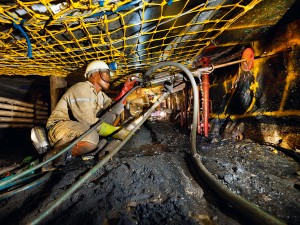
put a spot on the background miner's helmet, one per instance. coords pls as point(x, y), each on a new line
point(94, 66)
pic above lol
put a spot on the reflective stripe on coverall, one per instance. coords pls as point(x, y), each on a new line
point(75, 112)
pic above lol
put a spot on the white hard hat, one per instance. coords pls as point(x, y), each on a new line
point(95, 66)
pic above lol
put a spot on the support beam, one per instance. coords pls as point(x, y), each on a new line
point(57, 88)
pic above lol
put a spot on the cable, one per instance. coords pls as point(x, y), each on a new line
point(29, 50)
point(25, 187)
point(246, 208)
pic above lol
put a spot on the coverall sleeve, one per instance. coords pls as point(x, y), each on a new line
point(106, 101)
point(83, 105)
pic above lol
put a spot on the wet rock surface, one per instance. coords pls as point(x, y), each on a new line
point(259, 173)
point(152, 181)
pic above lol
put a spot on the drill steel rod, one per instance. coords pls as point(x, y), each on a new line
point(210, 68)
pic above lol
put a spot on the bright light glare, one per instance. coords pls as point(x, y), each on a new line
point(162, 113)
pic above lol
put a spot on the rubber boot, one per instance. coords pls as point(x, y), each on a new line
point(60, 161)
point(48, 166)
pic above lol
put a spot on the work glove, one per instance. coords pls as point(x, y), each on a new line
point(128, 85)
point(106, 129)
point(106, 104)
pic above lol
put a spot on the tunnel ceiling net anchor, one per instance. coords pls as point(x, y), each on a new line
point(60, 37)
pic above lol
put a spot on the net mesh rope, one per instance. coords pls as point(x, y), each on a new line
point(63, 36)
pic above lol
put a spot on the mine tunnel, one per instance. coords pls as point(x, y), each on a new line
point(210, 121)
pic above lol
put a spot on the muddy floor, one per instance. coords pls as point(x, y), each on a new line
point(152, 181)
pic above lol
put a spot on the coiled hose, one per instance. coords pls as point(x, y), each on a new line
point(246, 208)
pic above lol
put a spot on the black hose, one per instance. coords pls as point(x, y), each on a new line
point(25, 187)
point(246, 208)
point(16, 182)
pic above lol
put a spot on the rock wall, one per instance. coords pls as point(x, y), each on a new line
point(262, 104)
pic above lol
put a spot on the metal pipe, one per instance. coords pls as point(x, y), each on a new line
point(211, 68)
point(163, 76)
point(199, 128)
point(205, 102)
point(38, 219)
point(229, 63)
point(167, 77)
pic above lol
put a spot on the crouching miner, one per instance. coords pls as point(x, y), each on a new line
point(75, 112)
